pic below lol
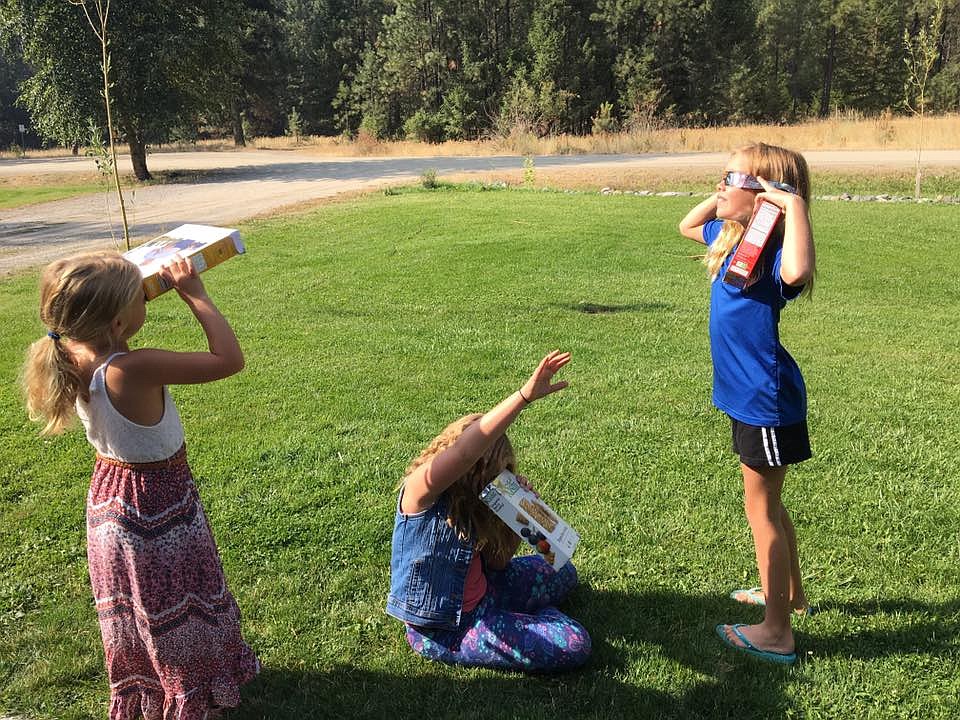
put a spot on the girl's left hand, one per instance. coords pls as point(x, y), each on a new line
point(182, 275)
point(539, 384)
point(786, 201)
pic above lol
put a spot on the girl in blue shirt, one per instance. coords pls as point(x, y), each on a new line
point(755, 380)
point(454, 582)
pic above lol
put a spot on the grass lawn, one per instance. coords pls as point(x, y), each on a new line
point(18, 191)
point(11, 196)
point(370, 324)
point(937, 182)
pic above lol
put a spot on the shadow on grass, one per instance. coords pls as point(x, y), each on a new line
point(185, 177)
point(588, 308)
point(655, 655)
point(922, 628)
point(431, 692)
point(672, 632)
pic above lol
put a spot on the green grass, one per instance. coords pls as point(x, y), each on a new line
point(11, 197)
point(18, 192)
point(934, 182)
point(370, 324)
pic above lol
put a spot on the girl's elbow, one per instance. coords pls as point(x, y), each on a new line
point(796, 277)
point(237, 364)
point(230, 365)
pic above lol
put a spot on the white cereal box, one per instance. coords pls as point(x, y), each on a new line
point(205, 245)
point(531, 518)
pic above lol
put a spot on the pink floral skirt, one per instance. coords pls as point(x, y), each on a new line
point(170, 627)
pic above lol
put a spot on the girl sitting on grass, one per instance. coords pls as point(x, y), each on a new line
point(454, 581)
point(755, 380)
point(170, 627)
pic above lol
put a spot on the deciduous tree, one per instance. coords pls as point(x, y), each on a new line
point(171, 60)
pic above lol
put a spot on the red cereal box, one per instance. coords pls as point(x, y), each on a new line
point(755, 237)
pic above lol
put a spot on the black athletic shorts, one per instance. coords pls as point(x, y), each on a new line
point(771, 446)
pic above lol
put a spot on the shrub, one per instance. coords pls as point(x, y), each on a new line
point(424, 126)
point(603, 122)
point(428, 178)
point(295, 125)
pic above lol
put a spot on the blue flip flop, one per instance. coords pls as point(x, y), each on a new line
point(750, 649)
point(755, 596)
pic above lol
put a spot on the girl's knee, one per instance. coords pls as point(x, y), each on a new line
point(761, 511)
point(571, 643)
point(581, 646)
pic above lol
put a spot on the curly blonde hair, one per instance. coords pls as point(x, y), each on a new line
point(80, 296)
point(770, 162)
point(466, 513)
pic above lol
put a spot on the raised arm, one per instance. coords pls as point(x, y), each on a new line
point(162, 367)
point(425, 484)
point(692, 224)
point(798, 257)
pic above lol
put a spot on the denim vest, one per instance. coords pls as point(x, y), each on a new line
point(428, 568)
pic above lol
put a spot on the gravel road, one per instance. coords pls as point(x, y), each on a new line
point(253, 183)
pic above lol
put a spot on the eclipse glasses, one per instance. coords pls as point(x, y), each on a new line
point(749, 182)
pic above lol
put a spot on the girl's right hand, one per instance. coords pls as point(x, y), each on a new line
point(183, 276)
point(539, 384)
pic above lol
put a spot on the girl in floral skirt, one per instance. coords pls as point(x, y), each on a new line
point(170, 627)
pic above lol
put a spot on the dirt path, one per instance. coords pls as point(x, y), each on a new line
point(255, 183)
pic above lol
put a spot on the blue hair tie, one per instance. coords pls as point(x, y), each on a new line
point(53, 334)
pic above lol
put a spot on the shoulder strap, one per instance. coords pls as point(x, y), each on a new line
point(97, 382)
point(110, 359)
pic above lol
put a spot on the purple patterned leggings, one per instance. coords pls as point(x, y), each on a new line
point(514, 627)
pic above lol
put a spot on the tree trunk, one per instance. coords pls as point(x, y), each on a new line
point(239, 139)
point(138, 156)
point(828, 69)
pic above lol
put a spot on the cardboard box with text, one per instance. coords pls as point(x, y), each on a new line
point(740, 271)
point(205, 245)
point(531, 518)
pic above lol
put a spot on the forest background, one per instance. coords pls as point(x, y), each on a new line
point(435, 70)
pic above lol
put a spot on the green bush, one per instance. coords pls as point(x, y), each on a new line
point(603, 122)
point(424, 126)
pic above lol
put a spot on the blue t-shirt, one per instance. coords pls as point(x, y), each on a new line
point(755, 380)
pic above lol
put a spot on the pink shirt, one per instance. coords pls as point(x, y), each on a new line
point(475, 586)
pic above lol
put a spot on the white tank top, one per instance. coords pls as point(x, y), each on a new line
point(114, 436)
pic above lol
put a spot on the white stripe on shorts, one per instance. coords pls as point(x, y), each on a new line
point(773, 460)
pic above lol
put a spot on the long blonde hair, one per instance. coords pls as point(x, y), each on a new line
point(80, 296)
point(770, 162)
point(466, 513)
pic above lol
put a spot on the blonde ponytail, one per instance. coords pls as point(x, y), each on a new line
point(80, 296)
point(51, 383)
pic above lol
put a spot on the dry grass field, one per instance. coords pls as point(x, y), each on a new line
point(849, 131)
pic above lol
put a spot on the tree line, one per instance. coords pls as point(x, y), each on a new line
point(457, 69)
